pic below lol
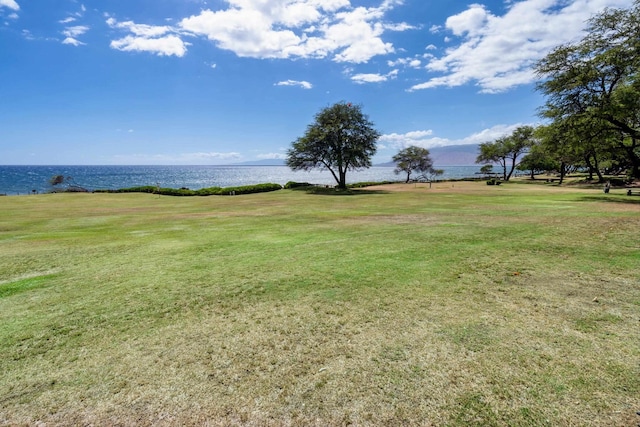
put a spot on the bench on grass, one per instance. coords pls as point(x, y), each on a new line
point(631, 192)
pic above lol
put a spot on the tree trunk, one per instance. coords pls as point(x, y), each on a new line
point(513, 166)
point(587, 160)
point(503, 163)
point(334, 175)
point(563, 168)
point(596, 168)
point(342, 184)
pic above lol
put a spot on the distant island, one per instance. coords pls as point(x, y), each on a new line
point(451, 155)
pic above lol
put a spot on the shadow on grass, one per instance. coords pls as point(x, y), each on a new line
point(322, 191)
point(630, 200)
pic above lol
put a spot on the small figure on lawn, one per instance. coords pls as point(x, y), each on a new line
point(607, 186)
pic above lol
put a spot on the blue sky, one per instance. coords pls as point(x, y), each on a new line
point(226, 81)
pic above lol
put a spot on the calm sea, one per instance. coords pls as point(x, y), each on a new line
point(16, 180)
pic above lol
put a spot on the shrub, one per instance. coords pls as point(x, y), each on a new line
point(618, 182)
point(144, 189)
point(293, 184)
point(249, 189)
point(493, 181)
point(368, 184)
point(211, 191)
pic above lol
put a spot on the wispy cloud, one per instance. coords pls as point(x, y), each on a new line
point(161, 40)
point(427, 139)
point(72, 33)
point(374, 78)
point(302, 84)
point(11, 4)
point(75, 31)
point(496, 53)
point(72, 41)
point(268, 156)
point(162, 46)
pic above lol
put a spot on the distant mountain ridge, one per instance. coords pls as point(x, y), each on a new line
point(264, 162)
point(455, 155)
point(450, 155)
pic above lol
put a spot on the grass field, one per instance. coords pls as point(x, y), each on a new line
point(459, 305)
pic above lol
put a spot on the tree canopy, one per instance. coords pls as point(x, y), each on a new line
point(413, 159)
point(341, 138)
point(507, 150)
point(593, 88)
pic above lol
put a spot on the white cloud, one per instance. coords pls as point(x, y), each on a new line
point(11, 4)
point(266, 156)
point(496, 53)
point(369, 78)
point(67, 20)
point(72, 41)
point(490, 134)
point(210, 156)
point(160, 40)
point(75, 31)
point(141, 30)
point(406, 62)
point(297, 28)
point(275, 29)
point(470, 21)
point(302, 84)
point(374, 78)
point(406, 139)
point(426, 139)
point(161, 46)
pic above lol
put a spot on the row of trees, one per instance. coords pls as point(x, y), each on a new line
point(592, 90)
point(592, 115)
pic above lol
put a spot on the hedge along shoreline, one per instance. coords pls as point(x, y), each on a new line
point(210, 191)
point(230, 191)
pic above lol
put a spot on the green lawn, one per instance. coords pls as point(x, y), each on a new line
point(460, 305)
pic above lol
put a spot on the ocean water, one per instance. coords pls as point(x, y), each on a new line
point(17, 180)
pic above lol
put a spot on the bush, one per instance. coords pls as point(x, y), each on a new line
point(249, 189)
point(144, 189)
point(368, 184)
point(493, 181)
point(618, 182)
point(293, 184)
point(211, 191)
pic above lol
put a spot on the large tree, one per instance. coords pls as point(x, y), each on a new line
point(596, 82)
point(507, 150)
point(341, 138)
point(413, 159)
point(537, 160)
point(561, 144)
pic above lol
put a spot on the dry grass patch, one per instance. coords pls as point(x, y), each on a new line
point(467, 306)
